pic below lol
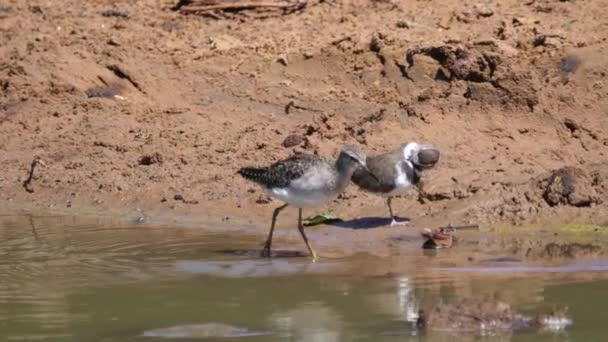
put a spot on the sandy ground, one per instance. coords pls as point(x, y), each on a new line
point(513, 93)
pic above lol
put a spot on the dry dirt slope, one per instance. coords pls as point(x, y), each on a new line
point(508, 90)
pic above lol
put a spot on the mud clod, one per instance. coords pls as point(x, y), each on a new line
point(571, 125)
point(569, 64)
point(106, 91)
point(461, 63)
point(570, 186)
point(27, 184)
point(292, 140)
point(115, 13)
point(151, 159)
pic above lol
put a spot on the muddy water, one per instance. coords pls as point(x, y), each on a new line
point(83, 279)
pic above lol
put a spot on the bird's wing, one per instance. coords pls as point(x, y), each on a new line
point(281, 173)
point(382, 177)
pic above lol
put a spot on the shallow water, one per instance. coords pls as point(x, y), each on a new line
point(83, 279)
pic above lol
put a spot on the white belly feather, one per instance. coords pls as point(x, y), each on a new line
point(402, 184)
point(311, 190)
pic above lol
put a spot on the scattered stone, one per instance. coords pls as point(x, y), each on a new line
point(404, 24)
point(113, 42)
point(461, 63)
point(520, 21)
point(568, 65)
point(377, 42)
point(282, 58)
point(293, 140)
point(483, 11)
point(571, 125)
point(179, 197)
point(570, 186)
point(27, 184)
point(150, 159)
point(115, 13)
point(105, 91)
point(263, 199)
point(547, 40)
point(224, 43)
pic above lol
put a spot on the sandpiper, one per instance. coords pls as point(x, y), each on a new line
point(394, 172)
point(305, 181)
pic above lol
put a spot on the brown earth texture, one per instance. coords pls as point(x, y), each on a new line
point(138, 106)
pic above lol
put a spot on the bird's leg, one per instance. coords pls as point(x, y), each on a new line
point(393, 219)
point(301, 229)
point(267, 245)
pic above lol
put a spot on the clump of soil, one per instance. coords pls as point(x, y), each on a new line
point(150, 159)
point(570, 186)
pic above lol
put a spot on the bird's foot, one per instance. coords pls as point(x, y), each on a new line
point(313, 255)
point(265, 251)
point(394, 222)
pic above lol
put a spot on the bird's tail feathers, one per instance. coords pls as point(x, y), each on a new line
point(255, 174)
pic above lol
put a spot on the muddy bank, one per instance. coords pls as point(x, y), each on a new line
point(137, 108)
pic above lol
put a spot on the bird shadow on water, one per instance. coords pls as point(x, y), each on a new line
point(368, 222)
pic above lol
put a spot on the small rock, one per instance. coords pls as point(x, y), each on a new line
point(571, 125)
point(377, 42)
point(519, 21)
point(568, 65)
point(150, 159)
point(105, 91)
point(292, 140)
point(570, 186)
point(404, 24)
point(263, 199)
point(283, 59)
point(113, 42)
point(115, 13)
point(178, 197)
point(483, 11)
